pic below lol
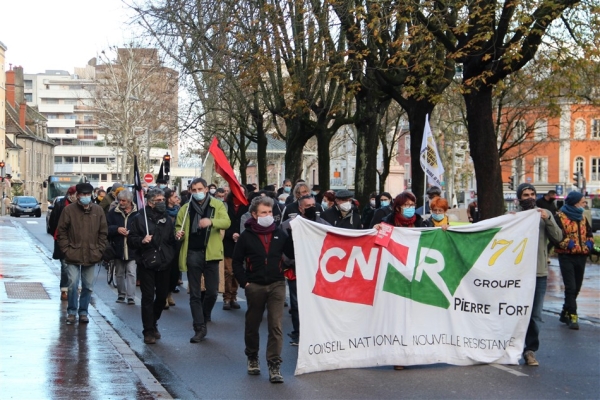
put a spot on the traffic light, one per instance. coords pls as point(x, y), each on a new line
point(577, 179)
point(511, 182)
point(166, 164)
point(2, 164)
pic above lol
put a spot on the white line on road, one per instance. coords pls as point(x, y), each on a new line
point(509, 370)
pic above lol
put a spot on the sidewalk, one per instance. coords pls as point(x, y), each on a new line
point(43, 357)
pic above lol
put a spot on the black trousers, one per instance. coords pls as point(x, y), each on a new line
point(155, 287)
point(572, 269)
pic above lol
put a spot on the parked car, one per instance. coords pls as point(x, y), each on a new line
point(595, 219)
point(25, 205)
point(50, 208)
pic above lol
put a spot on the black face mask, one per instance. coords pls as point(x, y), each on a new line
point(160, 207)
point(527, 204)
point(310, 213)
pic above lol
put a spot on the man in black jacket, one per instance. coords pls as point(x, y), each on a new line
point(344, 214)
point(261, 246)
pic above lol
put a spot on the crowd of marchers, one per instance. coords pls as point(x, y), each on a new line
point(208, 231)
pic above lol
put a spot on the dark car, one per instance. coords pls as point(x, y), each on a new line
point(50, 208)
point(595, 219)
point(25, 205)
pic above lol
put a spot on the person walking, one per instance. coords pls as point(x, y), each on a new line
point(82, 238)
point(69, 198)
point(261, 246)
point(235, 211)
point(119, 221)
point(548, 230)
point(573, 250)
point(173, 206)
point(199, 223)
point(152, 234)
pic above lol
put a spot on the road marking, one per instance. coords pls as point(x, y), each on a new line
point(32, 222)
point(509, 370)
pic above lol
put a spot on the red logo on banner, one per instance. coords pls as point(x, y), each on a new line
point(348, 269)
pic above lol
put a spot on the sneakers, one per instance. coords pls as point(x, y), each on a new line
point(64, 296)
point(295, 339)
point(275, 372)
point(226, 305)
point(253, 366)
point(83, 319)
point(564, 317)
point(235, 305)
point(530, 360)
point(120, 299)
point(149, 338)
point(131, 302)
point(573, 322)
point(70, 319)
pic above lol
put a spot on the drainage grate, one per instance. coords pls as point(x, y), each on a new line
point(26, 290)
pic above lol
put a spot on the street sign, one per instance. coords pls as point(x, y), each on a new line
point(559, 190)
point(148, 178)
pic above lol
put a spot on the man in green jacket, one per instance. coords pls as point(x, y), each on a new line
point(198, 224)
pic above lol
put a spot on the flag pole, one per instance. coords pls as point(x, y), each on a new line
point(425, 175)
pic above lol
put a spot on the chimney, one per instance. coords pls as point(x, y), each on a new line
point(19, 85)
point(10, 88)
point(22, 114)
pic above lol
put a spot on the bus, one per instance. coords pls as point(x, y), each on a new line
point(58, 185)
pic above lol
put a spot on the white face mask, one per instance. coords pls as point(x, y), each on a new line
point(265, 221)
point(345, 207)
point(213, 191)
point(372, 202)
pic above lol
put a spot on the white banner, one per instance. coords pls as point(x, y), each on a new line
point(461, 296)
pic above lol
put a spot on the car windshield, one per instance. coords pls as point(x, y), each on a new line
point(26, 200)
point(596, 212)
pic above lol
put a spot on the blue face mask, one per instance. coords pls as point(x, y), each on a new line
point(581, 209)
point(408, 212)
point(162, 186)
point(85, 200)
point(385, 203)
point(199, 196)
point(437, 217)
point(287, 189)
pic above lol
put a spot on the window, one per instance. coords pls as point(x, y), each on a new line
point(71, 160)
point(51, 116)
point(540, 169)
point(579, 129)
point(596, 129)
point(103, 177)
point(69, 130)
point(28, 97)
point(70, 116)
point(579, 164)
point(70, 102)
point(88, 133)
point(68, 142)
point(85, 160)
point(88, 118)
point(407, 170)
point(407, 145)
point(595, 176)
point(58, 159)
point(50, 101)
point(100, 160)
point(52, 130)
point(541, 130)
point(519, 130)
point(114, 177)
point(93, 177)
point(28, 84)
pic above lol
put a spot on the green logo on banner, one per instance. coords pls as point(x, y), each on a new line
point(443, 259)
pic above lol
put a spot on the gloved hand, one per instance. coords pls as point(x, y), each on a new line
point(571, 244)
point(590, 245)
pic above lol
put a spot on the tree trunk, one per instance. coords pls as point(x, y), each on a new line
point(417, 111)
point(484, 152)
point(324, 158)
point(296, 137)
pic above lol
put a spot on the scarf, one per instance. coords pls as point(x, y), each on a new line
point(172, 212)
point(200, 210)
point(259, 229)
point(442, 222)
point(400, 220)
point(573, 213)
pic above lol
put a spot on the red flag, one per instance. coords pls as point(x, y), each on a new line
point(224, 169)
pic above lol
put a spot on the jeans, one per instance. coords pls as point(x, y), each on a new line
point(572, 269)
point(231, 284)
point(78, 304)
point(125, 271)
point(532, 339)
point(154, 286)
point(198, 266)
point(272, 297)
point(64, 276)
point(294, 308)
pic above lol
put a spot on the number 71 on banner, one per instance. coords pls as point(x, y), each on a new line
point(505, 244)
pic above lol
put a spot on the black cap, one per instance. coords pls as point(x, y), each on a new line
point(343, 194)
point(161, 181)
point(434, 191)
point(84, 188)
point(316, 187)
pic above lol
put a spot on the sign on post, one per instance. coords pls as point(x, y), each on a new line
point(559, 190)
point(148, 178)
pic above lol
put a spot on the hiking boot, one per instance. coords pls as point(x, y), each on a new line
point(200, 333)
point(149, 338)
point(121, 299)
point(226, 305)
point(235, 305)
point(170, 300)
point(530, 360)
point(573, 322)
point(70, 319)
point(83, 319)
point(275, 372)
point(564, 317)
point(253, 366)
point(64, 296)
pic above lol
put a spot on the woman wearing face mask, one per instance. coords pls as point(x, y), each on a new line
point(573, 250)
point(153, 233)
point(328, 200)
point(439, 219)
point(369, 210)
point(383, 204)
point(173, 201)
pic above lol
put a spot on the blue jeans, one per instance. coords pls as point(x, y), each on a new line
point(64, 276)
point(79, 304)
point(532, 337)
point(294, 309)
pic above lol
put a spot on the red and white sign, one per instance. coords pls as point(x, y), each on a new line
point(148, 178)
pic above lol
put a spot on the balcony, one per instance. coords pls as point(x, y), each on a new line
point(89, 122)
point(84, 108)
point(61, 123)
point(56, 108)
point(83, 136)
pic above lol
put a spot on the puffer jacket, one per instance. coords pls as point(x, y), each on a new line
point(116, 219)
point(82, 234)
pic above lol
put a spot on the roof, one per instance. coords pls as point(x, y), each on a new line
point(14, 127)
point(11, 146)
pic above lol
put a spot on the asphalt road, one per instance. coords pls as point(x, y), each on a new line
point(569, 360)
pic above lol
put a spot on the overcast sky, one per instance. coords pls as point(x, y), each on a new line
point(60, 34)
